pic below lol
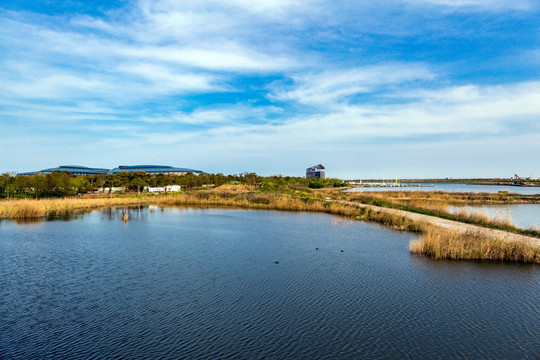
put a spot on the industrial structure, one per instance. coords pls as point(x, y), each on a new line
point(316, 171)
point(76, 170)
point(155, 169)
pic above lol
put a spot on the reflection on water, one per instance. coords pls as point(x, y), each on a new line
point(236, 284)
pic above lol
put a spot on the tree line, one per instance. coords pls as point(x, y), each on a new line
point(63, 183)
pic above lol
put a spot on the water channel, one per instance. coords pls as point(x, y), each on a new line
point(525, 216)
point(453, 187)
point(187, 283)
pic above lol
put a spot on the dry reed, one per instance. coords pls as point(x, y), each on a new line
point(434, 242)
point(31, 208)
point(443, 244)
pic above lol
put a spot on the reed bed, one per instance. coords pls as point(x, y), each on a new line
point(31, 208)
point(443, 244)
point(290, 202)
point(426, 198)
point(433, 242)
point(483, 218)
point(439, 208)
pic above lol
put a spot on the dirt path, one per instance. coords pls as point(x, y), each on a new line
point(449, 224)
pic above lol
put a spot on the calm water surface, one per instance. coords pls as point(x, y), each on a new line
point(451, 187)
point(522, 215)
point(204, 284)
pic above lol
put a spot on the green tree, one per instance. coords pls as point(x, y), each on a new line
point(49, 182)
point(139, 179)
point(80, 184)
point(123, 179)
point(37, 184)
point(63, 181)
point(6, 184)
point(109, 182)
point(22, 185)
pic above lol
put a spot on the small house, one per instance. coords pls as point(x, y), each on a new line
point(316, 171)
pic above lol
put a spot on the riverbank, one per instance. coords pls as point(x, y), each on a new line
point(34, 209)
point(448, 239)
point(440, 238)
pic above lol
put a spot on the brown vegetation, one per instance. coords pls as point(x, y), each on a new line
point(438, 204)
point(439, 198)
point(30, 208)
point(434, 241)
point(443, 244)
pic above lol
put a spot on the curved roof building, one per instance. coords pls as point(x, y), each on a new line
point(74, 169)
point(155, 169)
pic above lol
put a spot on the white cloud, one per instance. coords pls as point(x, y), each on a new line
point(165, 80)
point(142, 78)
point(332, 86)
point(503, 111)
point(222, 57)
point(217, 116)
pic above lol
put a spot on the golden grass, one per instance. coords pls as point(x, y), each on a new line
point(433, 242)
point(31, 208)
point(288, 202)
point(439, 205)
point(427, 198)
point(443, 244)
point(236, 188)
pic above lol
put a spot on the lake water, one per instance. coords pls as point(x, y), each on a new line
point(450, 187)
point(524, 216)
point(184, 283)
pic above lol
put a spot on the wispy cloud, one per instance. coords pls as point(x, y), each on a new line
point(332, 86)
point(268, 84)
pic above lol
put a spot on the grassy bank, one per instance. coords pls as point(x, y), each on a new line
point(434, 242)
point(238, 197)
point(33, 209)
point(442, 244)
point(438, 205)
point(289, 202)
point(437, 198)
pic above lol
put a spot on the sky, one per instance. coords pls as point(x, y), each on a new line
point(370, 89)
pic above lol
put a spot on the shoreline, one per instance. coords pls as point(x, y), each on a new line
point(457, 240)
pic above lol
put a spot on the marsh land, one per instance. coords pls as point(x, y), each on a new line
point(442, 231)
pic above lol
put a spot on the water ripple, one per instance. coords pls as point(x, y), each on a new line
point(205, 285)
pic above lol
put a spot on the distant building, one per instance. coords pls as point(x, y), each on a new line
point(76, 170)
point(155, 169)
point(110, 189)
point(316, 171)
point(154, 189)
point(159, 189)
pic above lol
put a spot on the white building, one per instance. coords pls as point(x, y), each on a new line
point(113, 189)
point(173, 188)
point(160, 189)
point(154, 189)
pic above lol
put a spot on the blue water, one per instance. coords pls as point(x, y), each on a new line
point(450, 187)
point(182, 283)
point(525, 216)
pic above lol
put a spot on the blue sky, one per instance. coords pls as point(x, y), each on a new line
point(398, 88)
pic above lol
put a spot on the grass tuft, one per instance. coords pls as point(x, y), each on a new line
point(443, 244)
